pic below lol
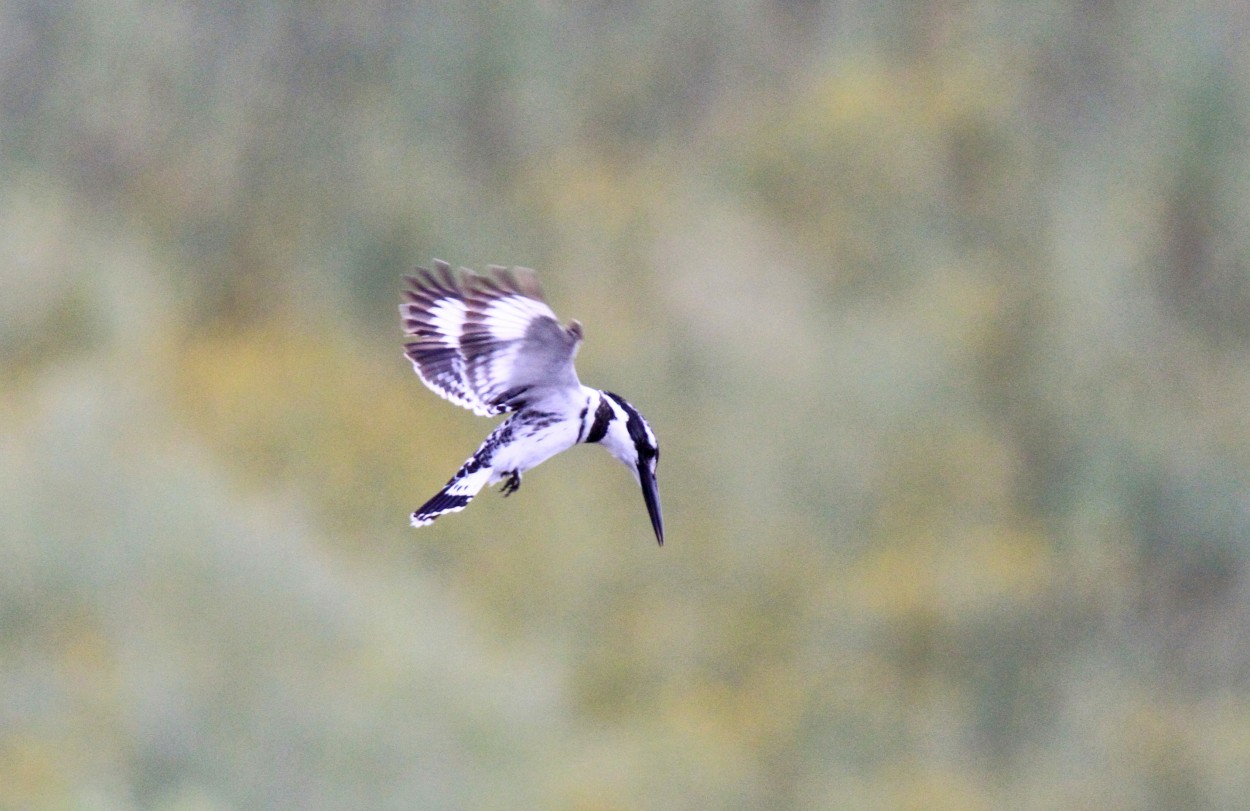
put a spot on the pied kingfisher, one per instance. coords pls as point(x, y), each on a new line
point(491, 344)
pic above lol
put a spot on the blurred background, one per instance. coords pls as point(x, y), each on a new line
point(939, 310)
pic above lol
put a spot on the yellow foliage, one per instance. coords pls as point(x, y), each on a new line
point(32, 772)
point(957, 576)
point(295, 409)
point(928, 788)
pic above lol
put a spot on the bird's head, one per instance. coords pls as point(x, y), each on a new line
point(630, 439)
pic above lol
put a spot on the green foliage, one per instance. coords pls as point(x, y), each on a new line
point(939, 314)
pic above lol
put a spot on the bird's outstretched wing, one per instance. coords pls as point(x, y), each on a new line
point(486, 342)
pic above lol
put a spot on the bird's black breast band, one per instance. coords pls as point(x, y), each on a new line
point(603, 416)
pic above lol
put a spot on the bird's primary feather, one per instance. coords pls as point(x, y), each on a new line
point(485, 342)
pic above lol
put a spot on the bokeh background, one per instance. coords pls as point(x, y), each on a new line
point(940, 310)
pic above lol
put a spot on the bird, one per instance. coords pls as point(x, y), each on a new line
point(490, 343)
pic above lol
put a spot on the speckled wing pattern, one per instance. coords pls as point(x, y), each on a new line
point(485, 341)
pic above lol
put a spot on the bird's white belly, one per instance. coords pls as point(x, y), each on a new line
point(529, 451)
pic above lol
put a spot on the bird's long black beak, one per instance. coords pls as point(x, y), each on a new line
point(651, 495)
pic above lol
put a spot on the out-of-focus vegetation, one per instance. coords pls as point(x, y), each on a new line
point(940, 311)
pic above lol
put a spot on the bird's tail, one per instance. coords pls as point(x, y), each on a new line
point(458, 492)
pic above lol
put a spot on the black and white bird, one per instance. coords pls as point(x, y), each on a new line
point(491, 344)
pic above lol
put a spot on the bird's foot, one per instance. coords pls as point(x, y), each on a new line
point(511, 484)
